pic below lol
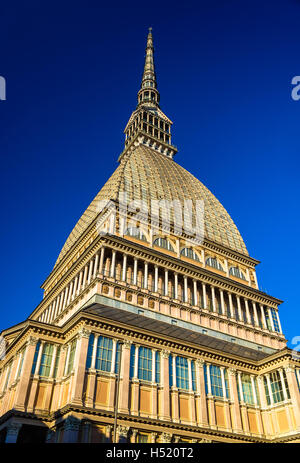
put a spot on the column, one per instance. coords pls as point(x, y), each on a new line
point(124, 267)
point(213, 298)
point(67, 359)
point(155, 278)
point(223, 382)
point(267, 375)
point(94, 352)
point(247, 312)
point(96, 265)
point(70, 292)
point(204, 296)
point(166, 283)
point(65, 297)
point(153, 365)
point(80, 282)
point(101, 260)
point(255, 314)
point(185, 288)
point(75, 287)
point(232, 314)
point(113, 356)
point(210, 399)
point(84, 276)
point(136, 360)
point(278, 320)
point(146, 275)
point(174, 370)
point(61, 301)
point(208, 378)
point(22, 386)
point(135, 266)
point(90, 271)
point(135, 384)
point(201, 405)
point(236, 412)
point(283, 384)
point(113, 264)
point(165, 391)
point(254, 389)
point(263, 317)
point(190, 375)
point(195, 292)
point(239, 308)
point(176, 285)
point(79, 366)
point(222, 302)
point(18, 366)
point(71, 430)
point(240, 387)
point(39, 358)
point(154, 387)
point(124, 378)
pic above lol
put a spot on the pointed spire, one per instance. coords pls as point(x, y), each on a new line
point(148, 125)
point(148, 93)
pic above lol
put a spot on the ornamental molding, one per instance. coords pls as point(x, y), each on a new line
point(123, 430)
point(120, 244)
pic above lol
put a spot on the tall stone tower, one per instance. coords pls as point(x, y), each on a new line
point(151, 315)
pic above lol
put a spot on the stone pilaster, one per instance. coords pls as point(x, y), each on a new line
point(79, 366)
point(23, 385)
point(236, 412)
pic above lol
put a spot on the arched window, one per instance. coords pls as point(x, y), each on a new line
point(213, 262)
point(190, 253)
point(236, 272)
point(163, 243)
point(135, 233)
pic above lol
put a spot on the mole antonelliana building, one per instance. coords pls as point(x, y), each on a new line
point(167, 326)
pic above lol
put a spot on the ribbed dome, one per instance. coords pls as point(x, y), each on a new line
point(148, 175)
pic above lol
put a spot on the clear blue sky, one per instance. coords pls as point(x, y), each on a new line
point(224, 73)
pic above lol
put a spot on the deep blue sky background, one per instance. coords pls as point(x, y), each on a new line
point(224, 73)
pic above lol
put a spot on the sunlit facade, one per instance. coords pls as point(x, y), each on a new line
point(173, 331)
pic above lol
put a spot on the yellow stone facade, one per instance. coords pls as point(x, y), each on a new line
point(178, 327)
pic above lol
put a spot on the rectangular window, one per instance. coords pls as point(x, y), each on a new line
point(216, 381)
point(182, 373)
point(145, 364)
point(247, 389)
point(46, 360)
point(275, 320)
point(104, 354)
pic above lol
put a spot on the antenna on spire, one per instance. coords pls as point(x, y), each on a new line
point(150, 29)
